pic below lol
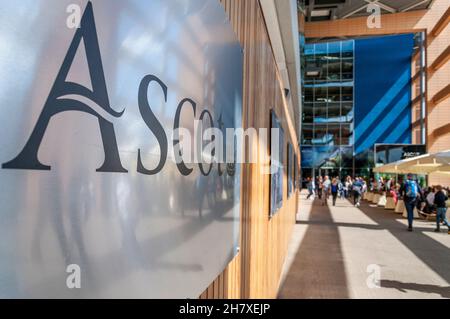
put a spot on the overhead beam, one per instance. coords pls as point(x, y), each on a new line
point(386, 7)
point(382, 5)
point(412, 6)
point(345, 16)
point(410, 23)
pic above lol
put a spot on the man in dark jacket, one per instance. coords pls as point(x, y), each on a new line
point(440, 201)
point(410, 192)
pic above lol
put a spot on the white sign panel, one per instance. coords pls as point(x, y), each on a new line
point(93, 203)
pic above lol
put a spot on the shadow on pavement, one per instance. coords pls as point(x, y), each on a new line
point(401, 286)
point(318, 269)
point(430, 251)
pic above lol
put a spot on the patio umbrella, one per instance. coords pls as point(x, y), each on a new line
point(437, 163)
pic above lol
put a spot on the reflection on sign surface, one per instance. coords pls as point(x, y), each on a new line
point(87, 177)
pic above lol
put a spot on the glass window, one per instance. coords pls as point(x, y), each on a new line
point(334, 132)
point(347, 94)
point(334, 94)
point(307, 135)
point(334, 49)
point(328, 114)
point(321, 136)
point(320, 94)
point(326, 157)
point(347, 49)
point(347, 69)
point(308, 113)
point(307, 159)
point(364, 160)
point(320, 113)
point(346, 134)
point(347, 112)
point(334, 112)
point(309, 49)
point(309, 94)
point(320, 49)
point(347, 156)
point(334, 68)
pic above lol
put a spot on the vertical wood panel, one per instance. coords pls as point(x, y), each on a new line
point(256, 270)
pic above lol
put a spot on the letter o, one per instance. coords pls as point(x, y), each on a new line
point(200, 165)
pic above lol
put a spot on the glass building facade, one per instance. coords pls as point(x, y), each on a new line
point(327, 141)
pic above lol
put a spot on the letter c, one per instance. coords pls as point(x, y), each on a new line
point(200, 165)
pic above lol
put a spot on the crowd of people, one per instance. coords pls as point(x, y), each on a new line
point(323, 187)
point(431, 201)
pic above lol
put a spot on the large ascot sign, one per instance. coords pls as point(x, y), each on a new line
point(87, 185)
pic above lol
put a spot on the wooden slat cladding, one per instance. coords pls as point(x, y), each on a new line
point(256, 271)
point(442, 23)
point(441, 95)
point(441, 60)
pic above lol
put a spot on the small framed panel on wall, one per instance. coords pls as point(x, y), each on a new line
point(276, 164)
point(295, 173)
point(290, 170)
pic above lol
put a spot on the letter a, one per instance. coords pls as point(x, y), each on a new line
point(374, 20)
point(56, 103)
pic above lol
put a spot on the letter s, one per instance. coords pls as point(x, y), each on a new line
point(153, 124)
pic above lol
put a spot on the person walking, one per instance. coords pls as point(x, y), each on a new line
point(357, 191)
point(334, 190)
point(410, 191)
point(310, 186)
point(319, 187)
point(440, 199)
point(394, 195)
point(341, 192)
point(388, 185)
point(380, 184)
point(430, 206)
point(364, 185)
point(326, 189)
point(348, 186)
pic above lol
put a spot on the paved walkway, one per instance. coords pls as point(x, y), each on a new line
point(336, 252)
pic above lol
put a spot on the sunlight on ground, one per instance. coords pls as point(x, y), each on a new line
point(332, 248)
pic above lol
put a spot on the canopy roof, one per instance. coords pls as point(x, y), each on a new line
point(438, 163)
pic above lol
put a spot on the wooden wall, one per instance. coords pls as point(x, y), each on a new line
point(256, 271)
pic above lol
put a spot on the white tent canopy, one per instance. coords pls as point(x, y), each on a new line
point(438, 163)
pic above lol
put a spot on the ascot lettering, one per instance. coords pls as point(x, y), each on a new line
point(58, 102)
